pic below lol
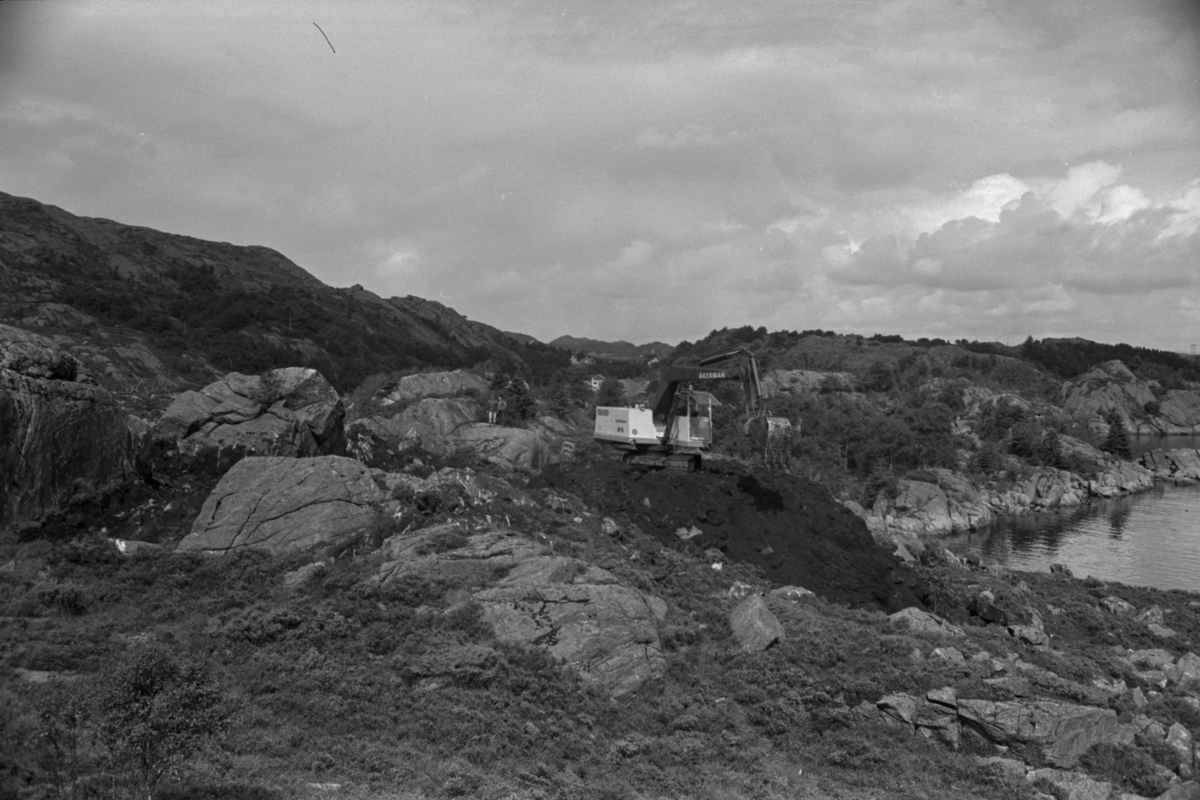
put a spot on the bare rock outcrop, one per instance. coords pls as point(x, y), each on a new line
point(1180, 466)
point(283, 412)
point(429, 421)
point(1112, 387)
point(1179, 411)
point(59, 437)
point(283, 504)
point(1062, 731)
point(1121, 477)
point(35, 356)
point(523, 448)
point(1108, 387)
point(434, 384)
point(954, 505)
point(579, 613)
point(923, 622)
point(444, 425)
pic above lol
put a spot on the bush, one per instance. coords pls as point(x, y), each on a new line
point(62, 599)
point(87, 551)
point(1126, 766)
point(155, 713)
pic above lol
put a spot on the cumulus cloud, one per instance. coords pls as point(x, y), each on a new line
point(626, 170)
point(1082, 230)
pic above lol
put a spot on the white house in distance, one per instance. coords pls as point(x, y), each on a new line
point(595, 382)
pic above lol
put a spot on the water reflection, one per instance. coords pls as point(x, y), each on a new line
point(1151, 539)
point(1120, 514)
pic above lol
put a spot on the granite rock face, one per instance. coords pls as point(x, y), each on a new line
point(60, 438)
point(284, 504)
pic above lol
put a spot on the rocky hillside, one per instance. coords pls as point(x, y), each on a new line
point(144, 310)
point(420, 599)
point(588, 630)
point(1144, 406)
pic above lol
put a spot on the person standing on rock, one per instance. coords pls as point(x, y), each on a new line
point(500, 407)
point(493, 408)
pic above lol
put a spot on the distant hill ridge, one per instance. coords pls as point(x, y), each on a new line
point(621, 349)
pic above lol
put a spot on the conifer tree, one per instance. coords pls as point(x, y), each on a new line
point(1117, 441)
point(1050, 451)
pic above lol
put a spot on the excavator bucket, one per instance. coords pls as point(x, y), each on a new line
point(772, 437)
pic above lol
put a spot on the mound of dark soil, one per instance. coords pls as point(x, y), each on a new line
point(789, 527)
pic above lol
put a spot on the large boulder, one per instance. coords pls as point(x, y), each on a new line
point(579, 613)
point(285, 412)
point(284, 504)
point(754, 626)
point(60, 438)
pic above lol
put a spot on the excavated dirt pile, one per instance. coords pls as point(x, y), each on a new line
point(789, 527)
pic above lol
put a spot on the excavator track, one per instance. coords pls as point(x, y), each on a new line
point(676, 461)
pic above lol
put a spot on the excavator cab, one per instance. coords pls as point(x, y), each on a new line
point(693, 418)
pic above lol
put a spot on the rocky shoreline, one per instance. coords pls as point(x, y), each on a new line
point(953, 504)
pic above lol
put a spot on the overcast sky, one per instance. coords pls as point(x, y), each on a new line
point(649, 170)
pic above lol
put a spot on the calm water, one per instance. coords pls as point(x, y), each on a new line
point(1144, 444)
point(1151, 539)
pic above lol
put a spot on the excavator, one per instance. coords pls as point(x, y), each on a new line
point(676, 429)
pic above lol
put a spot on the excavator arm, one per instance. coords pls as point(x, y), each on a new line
point(739, 364)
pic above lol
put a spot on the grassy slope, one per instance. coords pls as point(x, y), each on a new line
point(338, 682)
